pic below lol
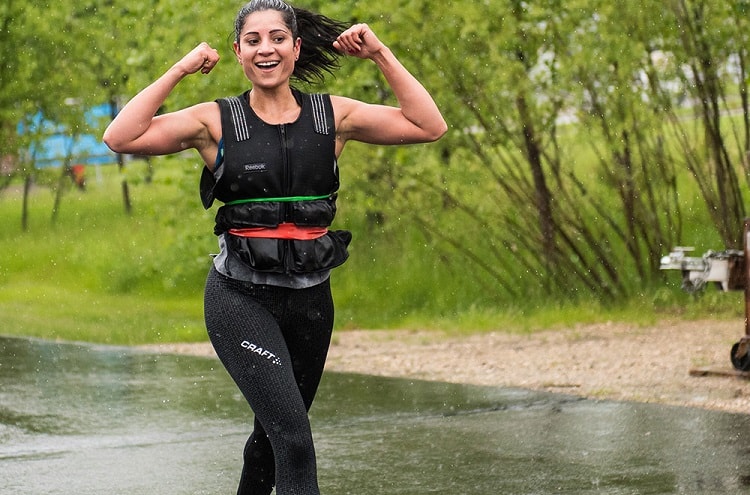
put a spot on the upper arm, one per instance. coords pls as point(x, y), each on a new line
point(192, 127)
point(376, 124)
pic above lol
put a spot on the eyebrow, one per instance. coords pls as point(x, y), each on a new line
point(273, 31)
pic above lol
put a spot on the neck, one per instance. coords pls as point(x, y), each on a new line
point(274, 106)
point(280, 99)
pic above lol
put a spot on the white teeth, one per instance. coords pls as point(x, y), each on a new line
point(267, 64)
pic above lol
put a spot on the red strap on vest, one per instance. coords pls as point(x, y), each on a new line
point(283, 231)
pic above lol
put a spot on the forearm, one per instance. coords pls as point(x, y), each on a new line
point(417, 105)
point(135, 117)
point(133, 130)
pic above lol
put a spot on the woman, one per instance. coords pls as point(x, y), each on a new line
point(271, 158)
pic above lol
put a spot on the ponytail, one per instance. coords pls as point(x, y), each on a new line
point(317, 55)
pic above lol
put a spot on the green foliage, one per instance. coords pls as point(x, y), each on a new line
point(103, 276)
point(578, 154)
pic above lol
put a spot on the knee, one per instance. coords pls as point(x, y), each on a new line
point(296, 447)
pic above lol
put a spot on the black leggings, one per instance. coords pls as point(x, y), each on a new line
point(273, 341)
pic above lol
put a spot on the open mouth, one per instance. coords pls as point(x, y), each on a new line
point(267, 65)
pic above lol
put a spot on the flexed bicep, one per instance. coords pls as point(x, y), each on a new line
point(137, 130)
point(174, 132)
point(379, 124)
point(416, 119)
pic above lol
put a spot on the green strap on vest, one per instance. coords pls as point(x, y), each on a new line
point(291, 199)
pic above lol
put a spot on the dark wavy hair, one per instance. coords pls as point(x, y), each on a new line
point(317, 31)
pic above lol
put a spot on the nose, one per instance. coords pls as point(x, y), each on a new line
point(265, 46)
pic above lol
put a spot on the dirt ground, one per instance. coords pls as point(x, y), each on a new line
point(612, 361)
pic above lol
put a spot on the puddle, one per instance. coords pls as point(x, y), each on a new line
point(79, 420)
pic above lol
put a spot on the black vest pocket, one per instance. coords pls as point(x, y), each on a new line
point(207, 186)
point(263, 255)
point(291, 256)
point(323, 253)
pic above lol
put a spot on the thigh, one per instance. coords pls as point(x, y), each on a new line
point(249, 342)
point(307, 325)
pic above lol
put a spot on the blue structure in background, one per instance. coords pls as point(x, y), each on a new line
point(58, 145)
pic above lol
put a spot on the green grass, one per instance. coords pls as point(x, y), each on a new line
point(63, 313)
point(100, 275)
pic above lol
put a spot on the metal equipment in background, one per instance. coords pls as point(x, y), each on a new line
point(724, 268)
point(729, 271)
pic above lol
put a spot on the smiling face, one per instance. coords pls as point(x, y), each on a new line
point(266, 49)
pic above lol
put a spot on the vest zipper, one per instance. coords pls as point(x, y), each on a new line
point(286, 178)
point(287, 259)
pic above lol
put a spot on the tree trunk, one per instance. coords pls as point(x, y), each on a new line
point(25, 208)
point(121, 163)
point(64, 175)
point(126, 197)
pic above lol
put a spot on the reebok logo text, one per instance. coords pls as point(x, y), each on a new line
point(255, 167)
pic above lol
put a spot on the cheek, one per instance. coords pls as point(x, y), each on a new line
point(244, 60)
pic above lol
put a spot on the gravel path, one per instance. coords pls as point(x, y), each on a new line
point(612, 361)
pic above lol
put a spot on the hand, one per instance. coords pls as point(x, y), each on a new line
point(202, 58)
point(358, 41)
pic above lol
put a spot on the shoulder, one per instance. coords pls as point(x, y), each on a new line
point(358, 120)
point(342, 103)
point(208, 114)
point(343, 108)
point(208, 108)
point(189, 124)
point(202, 112)
point(207, 130)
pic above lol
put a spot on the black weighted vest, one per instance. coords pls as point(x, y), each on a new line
point(274, 174)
